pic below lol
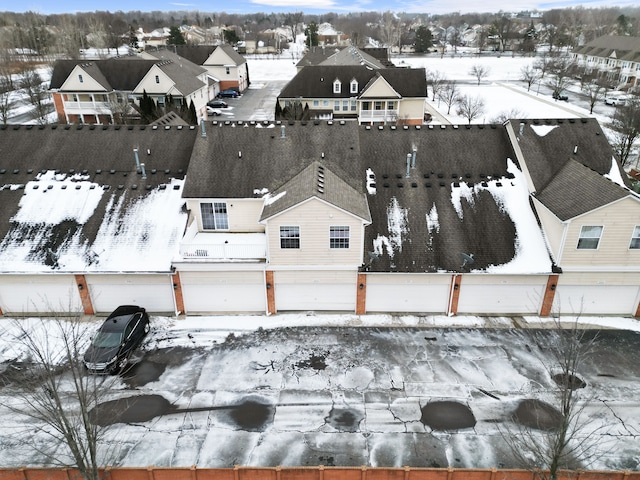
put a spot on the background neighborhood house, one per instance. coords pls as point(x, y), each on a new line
point(614, 57)
point(525, 217)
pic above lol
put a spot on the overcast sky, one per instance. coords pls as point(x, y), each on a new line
point(307, 6)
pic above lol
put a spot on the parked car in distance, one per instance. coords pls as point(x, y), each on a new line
point(213, 111)
point(231, 93)
point(217, 104)
point(615, 100)
point(120, 334)
point(560, 96)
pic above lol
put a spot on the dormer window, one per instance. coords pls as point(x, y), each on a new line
point(337, 86)
point(354, 86)
point(80, 79)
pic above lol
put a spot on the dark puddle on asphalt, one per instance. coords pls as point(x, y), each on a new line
point(571, 381)
point(249, 415)
point(447, 415)
point(344, 419)
point(536, 414)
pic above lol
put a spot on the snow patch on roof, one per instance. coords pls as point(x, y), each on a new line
point(371, 182)
point(457, 194)
point(432, 220)
point(614, 173)
point(54, 198)
point(542, 130)
point(269, 199)
point(397, 226)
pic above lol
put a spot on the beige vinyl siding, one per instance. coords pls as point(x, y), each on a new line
point(411, 108)
point(243, 214)
point(552, 227)
point(88, 84)
point(314, 218)
point(618, 220)
point(149, 84)
point(380, 89)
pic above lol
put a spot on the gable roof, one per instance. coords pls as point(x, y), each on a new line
point(316, 181)
point(465, 194)
point(621, 46)
point(122, 74)
point(230, 52)
point(567, 161)
point(196, 54)
point(72, 199)
point(317, 81)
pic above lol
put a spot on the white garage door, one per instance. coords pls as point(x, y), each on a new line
point(425, 298)
point(500, 299)
point(22, 294)
point(321, 291)
point(596, 299)
point(212, 292)
point(153, 292)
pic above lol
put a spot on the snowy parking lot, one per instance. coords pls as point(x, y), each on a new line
point(314, 389)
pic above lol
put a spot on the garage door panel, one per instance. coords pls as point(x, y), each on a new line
point(154, 297)
point(407, 298)
point(596, 299)
point(213, 292)
point(500, 299)
point(21, 295)
point(318, 296)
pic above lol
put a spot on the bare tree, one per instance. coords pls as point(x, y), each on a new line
point(437, 80)
point(626, 127)
point(36, 90)
point(479, 71)
point(470, 107)
point(561, 70)
point(56, 395)
point(507, 115)
point(449, 94)
point(554, 437)
point(530, 75)
point(593, 90)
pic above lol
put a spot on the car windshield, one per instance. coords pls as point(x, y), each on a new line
point(107, 339)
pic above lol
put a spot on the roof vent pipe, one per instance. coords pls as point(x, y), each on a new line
point(413, 157)
point(203, 131)
point(521, 128)
point(575, 149)
point(282, 132)
point(408, 164)
point(135, 153)
point(144, 172)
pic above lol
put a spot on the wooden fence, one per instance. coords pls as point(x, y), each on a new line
point(307, 473)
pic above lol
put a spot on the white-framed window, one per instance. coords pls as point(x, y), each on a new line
point(157, 78)
point(366, 105)
point(337, 86)
point(391, 105)
point(336, 105)
point(339, 237)
point(316, 103)
point(289, 237)
point(80, 79)
point(353, 105)
point(589, 237)
point(378, 105)
point(325, 103)
point(214, 216)
point(353, 88)
point(635, 239)
point(345, 105)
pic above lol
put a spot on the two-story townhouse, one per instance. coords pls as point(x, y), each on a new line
point(588, 213)
point(223, 63)
point(90, 216)
point(616, 57)
point(101, 90)
point(361, 93)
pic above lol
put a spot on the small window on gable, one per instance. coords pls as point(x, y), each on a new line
point(635, 239)
point(589, 237)
point(337, 86)
point(157, 79)
point(80, 79)
point(354, 86)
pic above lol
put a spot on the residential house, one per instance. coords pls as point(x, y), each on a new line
point(614, 57)
point(223, 63)
point(359, 92)
point(332, 56)
point(98, 91)
point(527, 217)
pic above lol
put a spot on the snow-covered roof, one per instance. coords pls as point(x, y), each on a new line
point(74, 199)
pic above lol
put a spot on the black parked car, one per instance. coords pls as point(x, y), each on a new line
point(231, 93)
point(120, 334)
point(560, 96)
